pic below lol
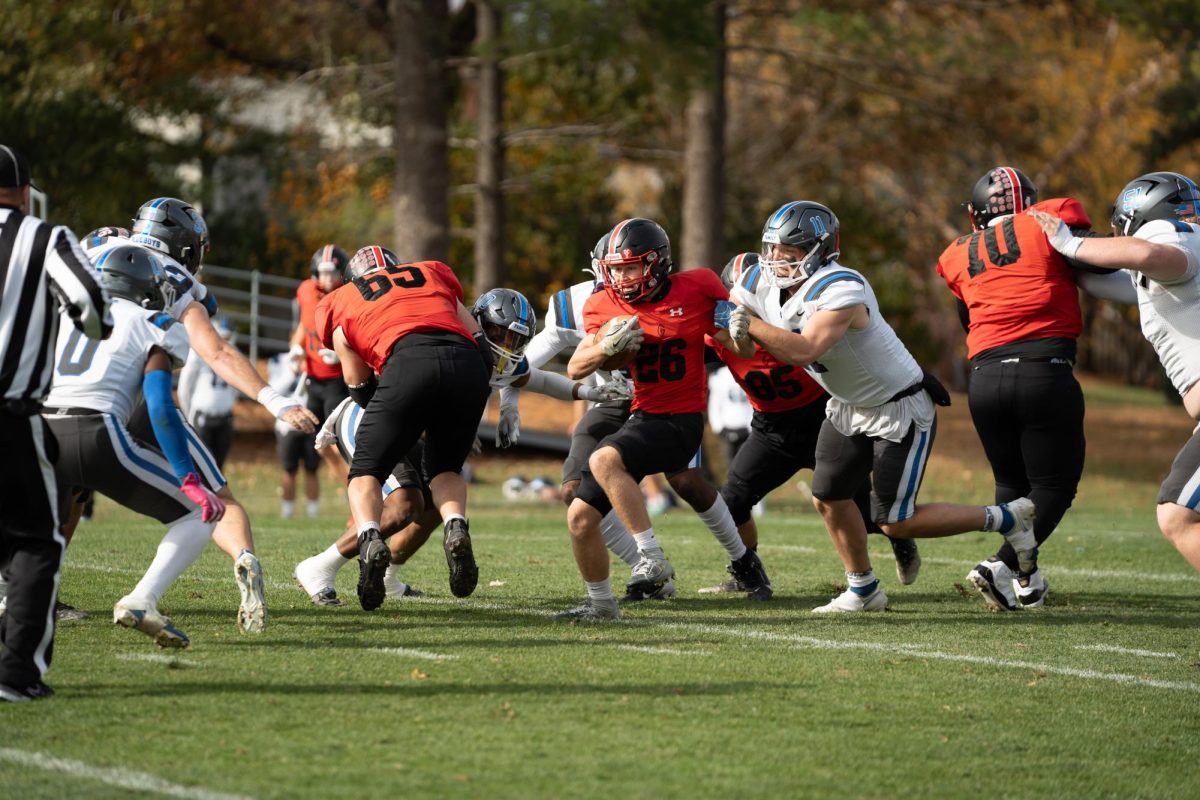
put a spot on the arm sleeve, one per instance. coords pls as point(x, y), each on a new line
point(510, 396)
point(73, 280)
point(549, 343)
point(551, 384)
point(964, 315)
point(168, 427)
point(187, 385)
point(1115, 286)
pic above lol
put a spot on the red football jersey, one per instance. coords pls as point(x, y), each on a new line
point(378, 309)
point(1015, 285)
point(308, 295)
point(771, 385)
point(668, 375)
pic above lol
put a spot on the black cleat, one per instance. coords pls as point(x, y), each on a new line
point(464, 574)
point(66, 613)
point(37, 691)
point(373, 561)
point(749, 571)
point(908, 559)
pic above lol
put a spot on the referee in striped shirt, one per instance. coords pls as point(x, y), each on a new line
point(42, 270)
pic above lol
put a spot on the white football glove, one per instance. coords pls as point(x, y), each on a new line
point(508, 431)
point(329, 356)
point(328, 433)
point(296, 359)
point(612, 390)
point(739, 323)
point(622, 338)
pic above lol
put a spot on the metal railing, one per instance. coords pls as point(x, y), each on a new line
point(261, 306)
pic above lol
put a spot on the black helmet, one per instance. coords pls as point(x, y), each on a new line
point(369, 259)
point(806, 225)
point(508, 323)
point(738, 266)
point(597, 254)
point(1156, 195)
point(135, 274)
point(636, 241)
point(1004, 190)
point(102, 235)
point(331, 257)
point(173, 227)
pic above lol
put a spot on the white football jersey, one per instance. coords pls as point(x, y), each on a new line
point(1170, 312)
point(187, 289)
point(564, 328)
point(203, 392)
point(107, 375)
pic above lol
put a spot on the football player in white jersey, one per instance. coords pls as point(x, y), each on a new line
point(1156, 218)
point(95, 388)
point(808, 310)
point(175, 230)
point(563, 332)
point(506, 322)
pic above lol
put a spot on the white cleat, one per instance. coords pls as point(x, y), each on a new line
point(252, 612)
point(1021, 536)
point(142, 615)
point(849, 602)
point(317, 582)
point(1033, 593)
point(994, 580)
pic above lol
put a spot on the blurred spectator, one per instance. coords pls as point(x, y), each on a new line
point(207, 401)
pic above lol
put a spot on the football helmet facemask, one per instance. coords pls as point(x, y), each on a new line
point(803, 224)
point(330, 259)
point(1003, 191)
point(1156, 195)
point(175, 228)
point(640, 242)
point(508, 323)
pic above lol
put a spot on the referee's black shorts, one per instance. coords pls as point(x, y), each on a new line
point(324, 396)
point(432, 382)
point(779, 445)
point(648, 444)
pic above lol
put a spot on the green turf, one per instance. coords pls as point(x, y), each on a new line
point(936, 698)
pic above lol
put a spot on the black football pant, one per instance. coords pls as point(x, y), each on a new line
point(31, 547)
point(1029, 415)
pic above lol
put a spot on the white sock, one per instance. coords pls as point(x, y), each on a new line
point(369, 525)
point(392, 574)
point(862, 584)
point(287, 509)
point(181, 546)
point(313, 508)
point(600, 590)
point(720, 522)
point(618, 540)
point(997, 519)
point(648, 543)
point(448, 517)
point(330, 559)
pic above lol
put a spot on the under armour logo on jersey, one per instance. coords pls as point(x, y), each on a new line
point(675, 312)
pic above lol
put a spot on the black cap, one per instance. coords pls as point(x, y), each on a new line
point(14, 169)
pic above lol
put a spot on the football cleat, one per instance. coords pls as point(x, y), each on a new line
point(464, 573)
point(724, 587)
point(66, 613)
point(591, 611)
point(11, 694)
point(849, 602)
point(650, 574)
point(317, 582)
point(748, 570)
point(142, 615)
point(1020, 536)
point(994, 580)
point(252, 610)
point(1031, 589)
point(373, 561)
point(636, 595)
point(908, 560)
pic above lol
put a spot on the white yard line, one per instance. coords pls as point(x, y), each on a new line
point(662, 651)
point(123, 778)
point(157, 659)
point(1112, 648)
point(411, 653)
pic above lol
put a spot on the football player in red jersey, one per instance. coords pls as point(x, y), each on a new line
point(324, 383)
point(1019, 303)
point(407, 324)
point(669, 316)
point(789, 409)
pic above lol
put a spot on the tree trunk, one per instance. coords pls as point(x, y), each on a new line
point(420, 197)
point(703, 242)
point(489, 201)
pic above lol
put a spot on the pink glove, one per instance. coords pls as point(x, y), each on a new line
point(211, 507)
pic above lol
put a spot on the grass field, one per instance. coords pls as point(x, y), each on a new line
point(1096, 695)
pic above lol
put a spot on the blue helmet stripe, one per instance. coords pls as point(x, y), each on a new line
point(1196, 191)
point(781, 213)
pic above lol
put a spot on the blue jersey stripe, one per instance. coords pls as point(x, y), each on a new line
point(827, 281)
point(149, 466)
point(200, 448)
point(910, 491)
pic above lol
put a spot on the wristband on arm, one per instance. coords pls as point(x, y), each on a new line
point(275, 402)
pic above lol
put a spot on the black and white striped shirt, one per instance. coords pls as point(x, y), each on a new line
point(42, 268)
